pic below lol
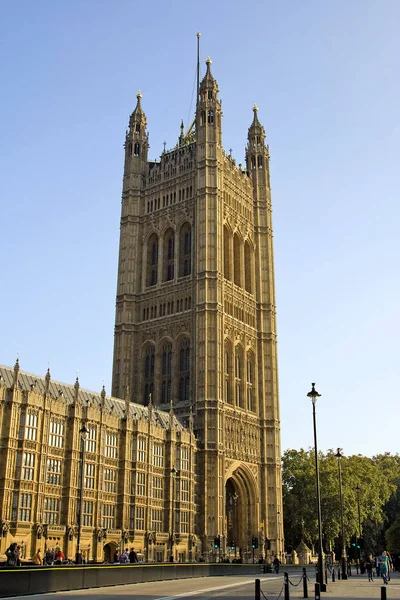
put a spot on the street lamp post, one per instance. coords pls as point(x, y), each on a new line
point(313, 394)
point(83, 434)
point(343, 557)
point(358, 490)
point(172, 536)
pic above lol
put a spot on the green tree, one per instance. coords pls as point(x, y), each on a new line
point(393, 537)
point(378, 481)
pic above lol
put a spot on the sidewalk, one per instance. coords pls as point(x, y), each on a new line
point(356, 586)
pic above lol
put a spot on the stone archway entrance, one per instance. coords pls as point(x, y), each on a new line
point(241, 513)
point(109, 551)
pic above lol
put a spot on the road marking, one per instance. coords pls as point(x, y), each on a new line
point(213, 589)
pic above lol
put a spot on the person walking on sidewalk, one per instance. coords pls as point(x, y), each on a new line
point(384, 566)
point(369, 565)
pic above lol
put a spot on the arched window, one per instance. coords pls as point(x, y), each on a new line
point(166, 374)
point(149, 360)
point(250, 382)
point(227, 257)
point(248, 267)
point(210, 117)
point(169, 255)
point(238, 377)
point(260, 162)
point(185, 250)
point(184, 371)
point(152, 260)
point(228, 373)
point(136, 150)
point(137, 128)
point(236, 259)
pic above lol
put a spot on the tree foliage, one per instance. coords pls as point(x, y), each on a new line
point(367, 513)
point(393, 537)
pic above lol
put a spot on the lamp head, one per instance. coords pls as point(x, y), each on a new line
point(313, 394)
point(84, 431)
point(338, 453)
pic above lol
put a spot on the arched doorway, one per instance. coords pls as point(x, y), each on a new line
point(109, 551)
point(241, 512)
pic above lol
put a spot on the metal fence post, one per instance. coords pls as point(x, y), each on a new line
point(286, 585)
point(257, 590)
point(383, 593)
point(305, 587)
point(317, 592)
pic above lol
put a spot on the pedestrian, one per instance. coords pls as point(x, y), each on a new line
point(384, 567)
point(49, 557)
point(133, 556)
point(369, 565)
point(37, 558)
point(58, 556)
point(377, 566)
point(276, 564)
point(12, 555)
point(123, 559)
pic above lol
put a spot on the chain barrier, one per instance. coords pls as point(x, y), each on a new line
point(298, 583)
point(277, 598)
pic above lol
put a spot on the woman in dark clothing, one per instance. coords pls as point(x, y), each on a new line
point(369, 565)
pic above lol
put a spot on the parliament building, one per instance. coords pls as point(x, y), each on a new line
point(184, 456)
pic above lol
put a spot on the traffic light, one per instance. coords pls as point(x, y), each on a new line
point(254, 542)
point(217, 542)
point(233, 546)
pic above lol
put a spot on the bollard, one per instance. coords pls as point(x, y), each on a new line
point(333, 576)
point(338, 574)
point(257, 595)
point(326, 575)
point(286, 585)
point(317, 592)
point(383, 593)
point(305, 587)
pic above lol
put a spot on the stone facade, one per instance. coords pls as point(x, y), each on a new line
point(195, 313)
point(139, 476)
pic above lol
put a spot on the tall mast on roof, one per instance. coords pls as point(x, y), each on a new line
point(198, 67)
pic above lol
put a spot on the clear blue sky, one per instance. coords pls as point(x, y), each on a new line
point(325, 76)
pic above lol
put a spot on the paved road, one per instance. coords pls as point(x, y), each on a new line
point(237, 587)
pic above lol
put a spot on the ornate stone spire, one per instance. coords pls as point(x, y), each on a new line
point(16, 373)
point(103, 397)
point(47, 381)
point(76, 388)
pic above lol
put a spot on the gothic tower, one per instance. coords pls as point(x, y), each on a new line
point(195, 327)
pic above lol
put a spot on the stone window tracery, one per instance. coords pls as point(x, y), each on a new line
point(166, 374)
point(149, 361)
point(152, 260)
point(169, 255)
point(185, 251)
point(184, 371)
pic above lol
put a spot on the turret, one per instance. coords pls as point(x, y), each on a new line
point(209, 110)
point(257, 155)
point(136, 141)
